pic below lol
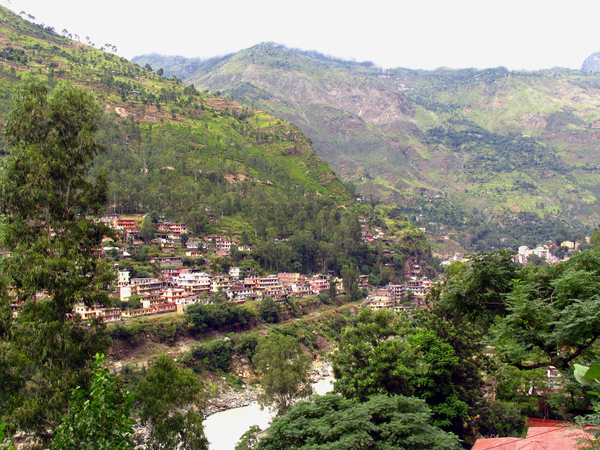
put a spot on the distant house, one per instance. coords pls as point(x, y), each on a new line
point(319, 283)
point(93, 312)
point(378, 302)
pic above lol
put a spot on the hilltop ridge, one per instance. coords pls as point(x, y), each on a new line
point(492, 157)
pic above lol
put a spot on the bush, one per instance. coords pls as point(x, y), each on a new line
point(324, 298)
point(499, 419)
point(269, 310)
point(211, 355)
point(129, 333)
point(245, 344)
point(218, 315)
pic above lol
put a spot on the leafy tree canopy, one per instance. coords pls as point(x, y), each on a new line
point(479, 290)
point(382, 355)
point(168, 398)
point(553, 311)
point(285, 372)
point(101, 421)
point(335, 423)
point(47, 203)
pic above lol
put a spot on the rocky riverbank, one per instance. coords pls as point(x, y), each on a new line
point(231, 399)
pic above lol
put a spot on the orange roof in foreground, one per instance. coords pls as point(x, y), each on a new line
point(538, 438)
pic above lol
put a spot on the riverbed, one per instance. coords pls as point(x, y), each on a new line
point(224, 429)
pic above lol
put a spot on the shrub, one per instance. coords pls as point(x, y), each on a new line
point(211, 355)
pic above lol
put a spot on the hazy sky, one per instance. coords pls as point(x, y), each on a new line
point(523, 34)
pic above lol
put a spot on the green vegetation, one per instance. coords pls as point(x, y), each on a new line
point(168, 398)
point(167, 149)
point(284, 367)
point(191, 156)
point(332, 422)
point(373, 358)
point(100, 422)
point(48, 204)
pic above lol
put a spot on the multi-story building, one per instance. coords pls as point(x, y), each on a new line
point(288, 279)
point(123, 223)
point(300, 290)
point(378, 302)
point(92, 312)
point(222, 282)
point(234, 272)
point(240, 294)
point(319, 283)
point(137, 312)
point(194, 282)
point(397, 291)
point(123, 278)
point(172, 227)
point(171, 261)
point(171, 295)
point(170, 273)
point(141, 286)
point(268, 282)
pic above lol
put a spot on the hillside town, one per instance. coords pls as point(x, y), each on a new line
point(179, 285)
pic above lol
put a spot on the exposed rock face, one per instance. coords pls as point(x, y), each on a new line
point(229, 400)
point(592, 63)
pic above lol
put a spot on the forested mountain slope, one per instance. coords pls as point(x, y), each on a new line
point(199, 158)
point(503, 157)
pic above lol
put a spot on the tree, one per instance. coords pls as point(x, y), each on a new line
point(268, 310)
point(386, 275)
point(350, 282)
point(285, 372)
point(467, 342)
point(383, 355)
point(332, 291)
point(148, 229)
point(167, 399)
point(101, 421)
point(249, 439)
point(48, 202)
point(553, 314)
point(594, 239)
point(335, 423)
point(5, 443)
point(184, 237)
point(479, 291)
point(500, 419)
point(591, 422)
point(160, 72)
point(366, 362)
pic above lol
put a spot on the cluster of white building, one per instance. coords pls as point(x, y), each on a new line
point(543, 251)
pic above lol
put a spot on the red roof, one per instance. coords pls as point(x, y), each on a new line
point(538, 438)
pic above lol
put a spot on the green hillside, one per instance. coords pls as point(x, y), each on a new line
point(501, 157)
point(202, 159)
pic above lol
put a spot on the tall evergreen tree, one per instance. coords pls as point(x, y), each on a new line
point(47, 201)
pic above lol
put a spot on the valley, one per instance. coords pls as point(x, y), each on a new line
point(184, 236)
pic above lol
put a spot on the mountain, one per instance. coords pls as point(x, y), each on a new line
point(497, 156)
point(202, 159)
point(591, 63)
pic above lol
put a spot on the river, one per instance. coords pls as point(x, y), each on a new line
point(224, 429)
